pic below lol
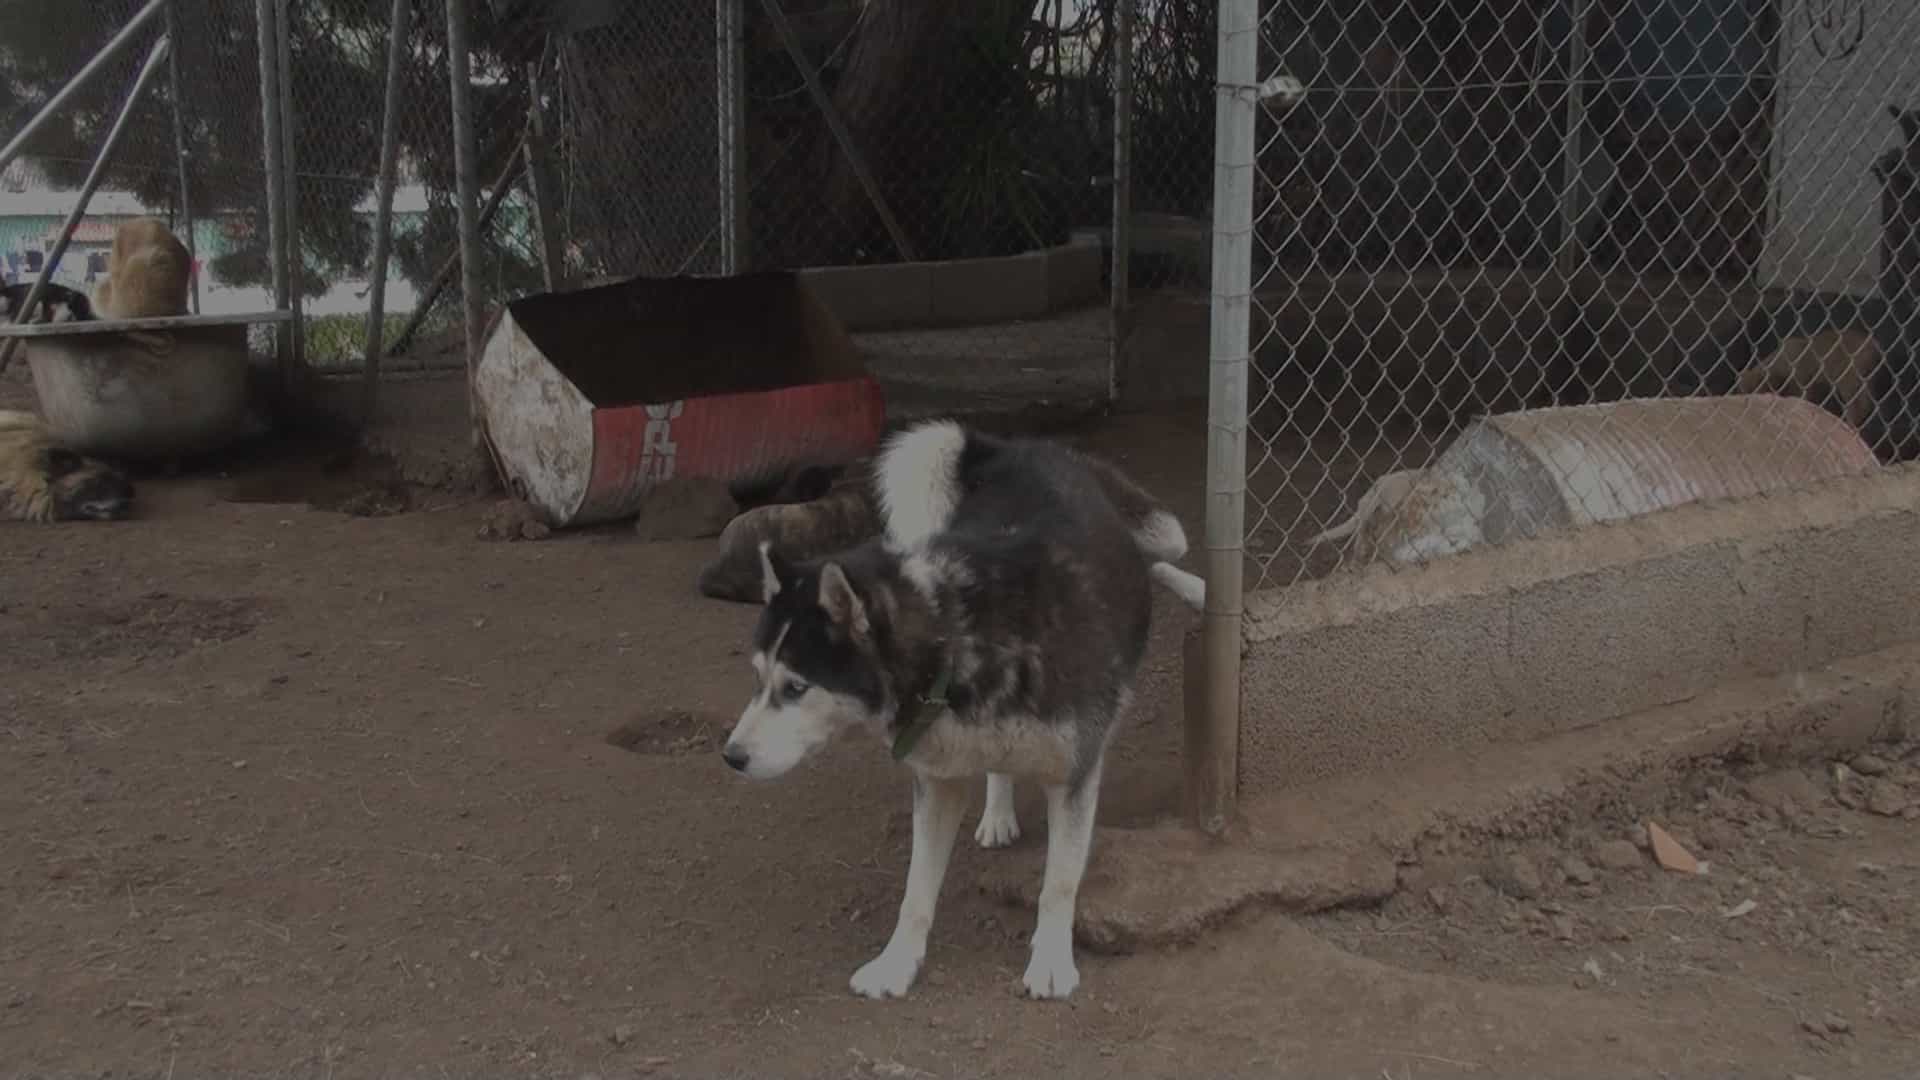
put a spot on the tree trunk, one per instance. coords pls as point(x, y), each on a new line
point(920, 79)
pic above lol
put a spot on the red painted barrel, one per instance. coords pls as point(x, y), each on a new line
point(592, 397)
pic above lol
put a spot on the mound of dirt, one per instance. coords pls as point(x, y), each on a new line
point(513, 519)
point(669, 733)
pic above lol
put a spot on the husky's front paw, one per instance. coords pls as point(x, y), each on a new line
point(998, 828)
point(888, 975)
point(1051, 974)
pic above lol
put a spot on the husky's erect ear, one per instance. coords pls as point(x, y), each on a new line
point(774, 572)
point(840, 602)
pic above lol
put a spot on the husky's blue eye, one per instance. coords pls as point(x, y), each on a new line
point(793, 690)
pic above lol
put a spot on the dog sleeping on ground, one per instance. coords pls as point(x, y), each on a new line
point(994, 627)
point(57, 303)
point(819, 511)
point(148, 273)
point(1834, 369)
point(41, 481)
point(1387, 493)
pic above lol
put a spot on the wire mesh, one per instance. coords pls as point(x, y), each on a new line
point(218, 106)
point(1482, 206)
point(337, 84)
point(1172, 167)
point(906, 132)
point(976, 130)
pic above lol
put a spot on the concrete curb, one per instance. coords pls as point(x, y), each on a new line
point(1341, 843)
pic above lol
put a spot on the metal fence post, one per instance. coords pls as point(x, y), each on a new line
point(273, 149)
point(1213, 738)
point(180, 151)
point(542, 187)
point(730, 78)
point(291, 251)
point(1119, 294)
point(398, 25)
point(466, 199)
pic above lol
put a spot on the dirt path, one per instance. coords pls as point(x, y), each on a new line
point(288, 792)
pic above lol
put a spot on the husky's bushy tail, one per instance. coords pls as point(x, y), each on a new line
point(917, 477)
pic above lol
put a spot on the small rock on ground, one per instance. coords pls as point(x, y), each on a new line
point(1516, 876)
point(1871, 765)
point(1886, 798)
point(1785, 791)
point(1577, 871)
point(513, 519)
point(1618, 855)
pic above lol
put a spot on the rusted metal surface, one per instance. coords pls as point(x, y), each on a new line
point(540, 424)
point(592, 397)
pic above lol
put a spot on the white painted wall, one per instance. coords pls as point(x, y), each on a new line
point(1842, 63)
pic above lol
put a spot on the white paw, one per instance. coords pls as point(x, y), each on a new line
point(886, 976)
point(1051, 974)
point(997, 830)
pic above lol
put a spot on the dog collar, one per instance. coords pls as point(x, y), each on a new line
point(918, 720)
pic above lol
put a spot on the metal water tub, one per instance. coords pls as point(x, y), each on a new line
point(141, 388)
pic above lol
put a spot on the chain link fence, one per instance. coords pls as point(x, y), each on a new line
point(691, 137)
point(695, 137)
point(1479, 206)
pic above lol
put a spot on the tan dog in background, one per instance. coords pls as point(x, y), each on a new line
point(1832, 368)
point(147, 273)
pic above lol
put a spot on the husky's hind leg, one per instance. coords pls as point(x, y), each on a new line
point(938, 806)
point(1070, 811)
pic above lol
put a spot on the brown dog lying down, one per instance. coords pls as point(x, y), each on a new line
point(802, 525)
point(43, 481)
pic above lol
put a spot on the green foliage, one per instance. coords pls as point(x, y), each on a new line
point(338, 60)
point(340, 341)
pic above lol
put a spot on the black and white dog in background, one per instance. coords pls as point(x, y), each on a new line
point(995, 628)
point(57, 303)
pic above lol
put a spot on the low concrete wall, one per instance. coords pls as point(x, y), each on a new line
point(960, 292)
point(1380, 667)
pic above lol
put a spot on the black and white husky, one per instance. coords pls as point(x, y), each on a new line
point(993, 629)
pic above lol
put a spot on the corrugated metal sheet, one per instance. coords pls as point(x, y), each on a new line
point(1517, 475)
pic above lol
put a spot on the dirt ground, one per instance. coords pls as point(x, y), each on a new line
point(342, 790)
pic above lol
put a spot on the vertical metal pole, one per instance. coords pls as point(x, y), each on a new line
point(1575, 157)
point(540, 181)
point(114, 46)
point(1122, 239)
point(94, 176)
point(180, 150)
point(291, 249)
point(272, 149)
point(1213, 738)
point(466, 199)
point(730, 72)
point(398, 26)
